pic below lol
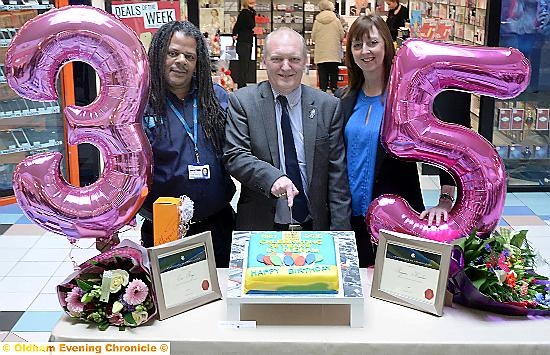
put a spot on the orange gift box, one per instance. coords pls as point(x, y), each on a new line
point(166, 220)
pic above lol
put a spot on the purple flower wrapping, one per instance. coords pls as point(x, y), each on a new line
point(465, 293)
point(128, 256)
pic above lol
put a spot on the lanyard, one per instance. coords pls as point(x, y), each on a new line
point(186, 126)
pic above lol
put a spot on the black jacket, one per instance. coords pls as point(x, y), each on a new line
point(244, 26)
point(391, 176)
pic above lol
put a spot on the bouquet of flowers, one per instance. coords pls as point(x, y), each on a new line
point(113, 288)
point(496, 274)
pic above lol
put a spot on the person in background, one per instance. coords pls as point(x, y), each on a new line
point(327, 33)
point(243, 33)
point(185, 122)
point(372, 172)
point(284, 143)
point(397, 16)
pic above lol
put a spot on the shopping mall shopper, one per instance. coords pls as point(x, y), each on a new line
point(284, 143)
point(327, 33)
point(243, 33)
point(397, 16)
point(372, 172)
point(185, 125)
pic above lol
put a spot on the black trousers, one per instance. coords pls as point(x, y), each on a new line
point(365, 248)
point(220, 224)
point(328, 75)
point(244, 51)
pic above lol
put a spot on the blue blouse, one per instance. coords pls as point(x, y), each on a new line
point(362, 134)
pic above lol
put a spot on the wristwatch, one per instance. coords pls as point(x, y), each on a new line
point(446, 196)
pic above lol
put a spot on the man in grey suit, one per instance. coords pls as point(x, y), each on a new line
point(284, 143)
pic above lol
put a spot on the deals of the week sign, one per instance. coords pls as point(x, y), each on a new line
point(146, 17)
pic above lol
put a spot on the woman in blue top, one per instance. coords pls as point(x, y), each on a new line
point(371, 172)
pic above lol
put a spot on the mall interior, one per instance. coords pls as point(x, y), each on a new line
point(33, 261)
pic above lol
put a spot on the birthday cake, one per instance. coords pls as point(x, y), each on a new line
point(291, 262)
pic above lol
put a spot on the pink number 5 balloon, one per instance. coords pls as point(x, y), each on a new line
point(113, 122)
point(410, 131)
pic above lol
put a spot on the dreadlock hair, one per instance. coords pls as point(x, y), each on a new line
point(211, 115)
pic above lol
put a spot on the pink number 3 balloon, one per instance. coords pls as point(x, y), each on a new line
point(410, 131)
point(113, 122)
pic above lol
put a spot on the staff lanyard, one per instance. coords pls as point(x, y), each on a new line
point(186, 126)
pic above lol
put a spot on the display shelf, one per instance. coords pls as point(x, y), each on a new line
point(270, 15)
point(466, 20)
point(24, 108)
point(26, 127)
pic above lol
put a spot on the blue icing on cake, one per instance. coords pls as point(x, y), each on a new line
point(308, 263)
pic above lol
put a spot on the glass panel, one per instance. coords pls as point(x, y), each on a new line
point(521, 130)
point(26, 127)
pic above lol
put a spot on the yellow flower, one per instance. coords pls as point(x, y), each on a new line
point(117, 307)
point(139, 316)
point(119, 278)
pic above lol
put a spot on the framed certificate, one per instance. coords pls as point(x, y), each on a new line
point(184, 274)
point(411, 271)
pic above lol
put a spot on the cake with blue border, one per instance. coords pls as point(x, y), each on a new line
point(291, 262)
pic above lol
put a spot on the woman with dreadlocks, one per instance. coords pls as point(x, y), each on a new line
point(185, 124)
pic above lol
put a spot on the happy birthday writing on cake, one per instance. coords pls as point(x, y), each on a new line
point(290, 271)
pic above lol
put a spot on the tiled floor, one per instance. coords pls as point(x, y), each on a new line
point(33, 261)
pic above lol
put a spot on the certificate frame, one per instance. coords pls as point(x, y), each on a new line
point(428, 267)
point(184, 274)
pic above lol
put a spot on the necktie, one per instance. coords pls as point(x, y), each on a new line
point(299, 209)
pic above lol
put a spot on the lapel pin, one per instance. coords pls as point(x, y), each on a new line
point(312, 113)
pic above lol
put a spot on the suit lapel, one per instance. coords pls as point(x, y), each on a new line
point(267, 112)
point(310, 115)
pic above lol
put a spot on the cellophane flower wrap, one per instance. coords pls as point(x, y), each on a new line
point(111, 289)
point(497, 275)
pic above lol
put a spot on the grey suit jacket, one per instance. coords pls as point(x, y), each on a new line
point(251, 155)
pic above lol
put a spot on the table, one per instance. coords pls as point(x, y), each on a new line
point(388, 329)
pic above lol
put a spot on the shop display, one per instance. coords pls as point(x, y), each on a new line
point(459, 21)
point(291, 262)
point(270, 15)
point(525, 25)
point(26, 127)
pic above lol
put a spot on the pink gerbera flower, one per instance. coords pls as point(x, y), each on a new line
point(136, 292)
point(116, 319)
point(74, 303)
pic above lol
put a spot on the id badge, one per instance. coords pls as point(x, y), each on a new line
point(199, 172)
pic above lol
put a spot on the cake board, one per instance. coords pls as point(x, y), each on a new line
point(351, 292)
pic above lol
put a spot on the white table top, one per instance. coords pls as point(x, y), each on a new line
point(389, 329)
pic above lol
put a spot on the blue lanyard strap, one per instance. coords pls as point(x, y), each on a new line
point(193, 136)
